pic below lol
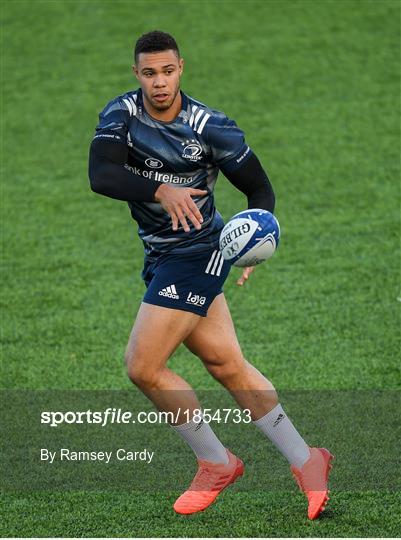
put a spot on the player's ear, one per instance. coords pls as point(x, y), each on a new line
point(135, 71)
point(181, 65)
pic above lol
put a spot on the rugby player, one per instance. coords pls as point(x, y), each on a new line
point(161, 150)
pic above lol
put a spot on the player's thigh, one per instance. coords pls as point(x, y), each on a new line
point(214, 339)
point(157, 332)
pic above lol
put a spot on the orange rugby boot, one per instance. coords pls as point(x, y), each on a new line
point(312, 479)
point(209, 481)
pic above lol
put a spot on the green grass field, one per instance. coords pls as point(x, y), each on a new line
point(315, 86)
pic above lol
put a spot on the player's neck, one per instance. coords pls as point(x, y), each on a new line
point(167, 115)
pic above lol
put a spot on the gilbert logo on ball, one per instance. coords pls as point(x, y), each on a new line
point(250, 237)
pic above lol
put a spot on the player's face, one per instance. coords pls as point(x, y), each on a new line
point(159, 76)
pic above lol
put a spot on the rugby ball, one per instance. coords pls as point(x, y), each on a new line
point(250, 237)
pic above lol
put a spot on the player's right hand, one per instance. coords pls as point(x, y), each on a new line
point(178, 203)
point(247, 271)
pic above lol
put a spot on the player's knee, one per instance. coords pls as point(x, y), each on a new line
point(138, 371)
point(140, 376)
point(225, 371)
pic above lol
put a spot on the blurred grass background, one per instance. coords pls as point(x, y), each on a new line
point(315, 86)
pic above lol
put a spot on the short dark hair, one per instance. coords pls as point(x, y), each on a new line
point(155, 41)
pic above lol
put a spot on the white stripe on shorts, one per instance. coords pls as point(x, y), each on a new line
point(211, 261)
point(220, 266)
point(216, 263)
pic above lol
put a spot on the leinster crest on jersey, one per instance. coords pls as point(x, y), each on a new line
point(192, 150)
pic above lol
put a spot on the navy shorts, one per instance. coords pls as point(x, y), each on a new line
point(188, 282)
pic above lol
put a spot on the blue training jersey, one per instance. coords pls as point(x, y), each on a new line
point(187, 152)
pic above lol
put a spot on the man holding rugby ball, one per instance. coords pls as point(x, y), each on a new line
point(161, 150)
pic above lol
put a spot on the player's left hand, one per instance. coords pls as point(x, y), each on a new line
point(245, 275)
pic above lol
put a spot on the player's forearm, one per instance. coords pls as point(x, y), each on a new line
point(117, 182)
point(252, 180)
point(262, 197)
point(108, 175)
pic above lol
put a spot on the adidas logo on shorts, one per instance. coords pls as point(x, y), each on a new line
point(169, 292)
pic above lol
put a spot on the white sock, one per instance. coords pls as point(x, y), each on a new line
point(280, 430)
point(203, 441)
